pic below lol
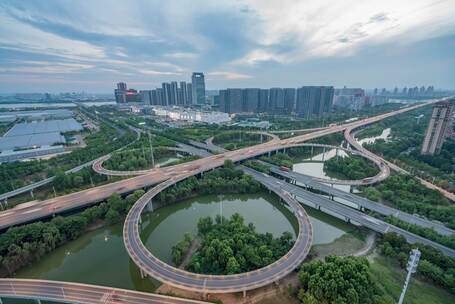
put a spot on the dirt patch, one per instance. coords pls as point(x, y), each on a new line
point(195, 244)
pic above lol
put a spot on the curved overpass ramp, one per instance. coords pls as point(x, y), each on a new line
point(349, 135)
point(66, 292)
point(165, 273)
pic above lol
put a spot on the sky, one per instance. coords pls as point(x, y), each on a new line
point(67, 45)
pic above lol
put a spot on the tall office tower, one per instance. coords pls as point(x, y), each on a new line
point(146, 96)
point(263, 100)
point(122, 86)
point(184, 89)
point(120, 92)
point(198, 92)
point(405, 91)
point(375, 92)
point(166, 93)
point(395, 91)
point(289, 100)
point(251, 100)
point(189, 91)
point(438, 127)
point(276, 101)
point(314, 101)
point(174, 93)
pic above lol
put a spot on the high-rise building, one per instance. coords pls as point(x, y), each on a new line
point(166, 93)
point(198, 90)
point(174, 93)
point(120, 92)
point(263, 100)
point(251, 100)
point(289, 100)
point(160, 97)
point(276, 101)
point(122, 86)
point(189, 91)
point(231, 101)
point(314, 101)
point(184, 90)
point(146, 96)
point(438, 127)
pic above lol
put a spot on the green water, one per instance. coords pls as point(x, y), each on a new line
point(99, 256)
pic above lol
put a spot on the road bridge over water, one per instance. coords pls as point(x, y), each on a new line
point(38, 210)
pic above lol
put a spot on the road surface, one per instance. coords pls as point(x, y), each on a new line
point(29, 212)
point(361, 201)
point(67, 292)
point(165, 273)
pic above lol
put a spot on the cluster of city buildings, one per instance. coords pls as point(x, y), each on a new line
point(439, 127)
point(191, 115)
point(170, 94)
point(307, 101)
point(412, 92)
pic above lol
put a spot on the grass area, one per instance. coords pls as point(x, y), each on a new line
point(390, 278)
point(345, 245)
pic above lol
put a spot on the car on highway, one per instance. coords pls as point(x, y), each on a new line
point(284, 168)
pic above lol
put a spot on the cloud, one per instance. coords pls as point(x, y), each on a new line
point(251, 41)
point(338, 28)
point(229, 75)
point(159, 73)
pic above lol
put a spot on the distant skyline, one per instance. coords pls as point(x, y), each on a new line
point(58, 46)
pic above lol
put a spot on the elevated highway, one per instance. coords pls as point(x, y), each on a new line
point(349, 135)
point(20, 215)
point(350, 214)
point(217, 149)
point(29, 188)
point(362, 202)
point(66, 292)
point(165, 273)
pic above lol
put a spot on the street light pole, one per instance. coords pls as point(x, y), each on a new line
point(412, 268)
point(151, 151)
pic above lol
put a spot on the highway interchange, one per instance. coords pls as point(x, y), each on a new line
point(165, 177)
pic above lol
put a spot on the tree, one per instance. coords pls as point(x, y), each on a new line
point(337, 280)
point(232, 266)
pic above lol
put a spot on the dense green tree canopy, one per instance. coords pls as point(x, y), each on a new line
point(337, 280)
point(230, 246)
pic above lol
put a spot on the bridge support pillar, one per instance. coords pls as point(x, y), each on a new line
point(31, 194)
point(244, 293)
point(143, 274)
point(1, 301)
point(270, 153)
point(312, 151)
point(38, 301)
point(336, 152)
point(150, 206)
